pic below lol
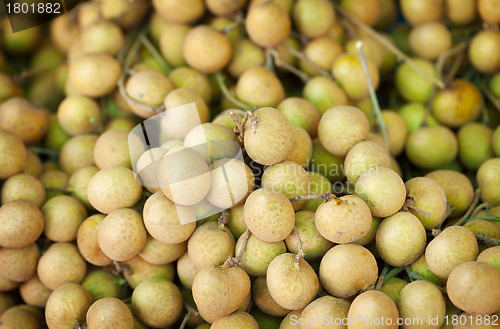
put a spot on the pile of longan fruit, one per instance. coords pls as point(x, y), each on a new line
point(245, 164)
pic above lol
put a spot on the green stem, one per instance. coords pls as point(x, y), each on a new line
point(392, 273)
point(41, 150)
point(487, 218)
point(373, 95)
point(485, 238)
point(292, 69)
point(495, 101)
point(155, 53)
point(220, 81)
point(473, 206)
point(381, 278)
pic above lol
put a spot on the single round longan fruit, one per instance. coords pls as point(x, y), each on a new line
point(461, 12)
point(269, 215)
point(79, 115)
point(78, 183)
point(365, 10)
point(68, 302)
point(401, 239)
point(159, 253)
point(474, 287)
point(270, 140)
point(397, 131)
point(170, 43)
point(236, 320)
point(166, 221)
point(112, 149)
point(77, 153)
point(474, 144)
point(422, 300)
point(260, 87)
point(489, 11)
point(34, 292)
point(176, 12)
point(429, 197)
point(324, 93)
point(219, 291)
point(331, 307)
point(460, 103)
point(341, 127)
point(457, 188)
point(19, 264)
point(313, 18)
point(186, 271)
point(347, 269)
point(180, 115)
point(113, 188)
point(429, 40)
point(421, 11)
point(431, 147)
point(94, 74)
point(314, 245)
point(63, 216)
point(375, 179)
point(24, 120)
point(349, 72)
point(302, 148)
point(484, 51)
point(101, 283)
point(488, 179)
point(23, 187)
point(371, 305)
point(267, 24)
point(258, 254)
point(421, 267)
point(33, 165)
point(20, 316)
point(210, 245)
point(141, 270)
point(411, 84)
point(148, 88)
point(490, 256)
point(109, 312)
point(344, 220)
point(102, 36)
point(157, 303)
point(22, 223)
point(122, 234)
point(87, 241)
point(363, 156)
point(373, 49)
point(291, 284)
point(184, 176)
point(61, 263)
point(452, 247)
point(301, 113)
point(246, 55)
point(186, 77)
point(231, 181)
point(225, 7)
point(206, 49)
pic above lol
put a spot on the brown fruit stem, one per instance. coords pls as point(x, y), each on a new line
point(240, 126)
point(220, 82)
point(472, 206)
point(373, 95)
point(222, 219)
point(25, 74)
point(485, 238)
point(410, 204)
point(325, 196)
point(303, 57)
point(121, 268)
point(245, 236)
point(238, 20)
point(300, 254)
point(487, 218)
point(458, 49)
point(495, 101)
point(292, 69)
point(191, 312)
point(389, 45)
point(155, 53)
point(381, 278)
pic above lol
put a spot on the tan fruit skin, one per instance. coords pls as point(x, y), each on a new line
point(457, 187)
point(159, 253)
point(422, 300)
point(327, 305)
point(21, 222)
point(141, 270)
point(211, 245)
point(291, 285)
point(372, 305)
point(258, 254)
point(220, 291)
point(430, 197)
point(344, 220)
point(13, 154)
point(269, 215)
point(347, 269)
point(19, 264)
point(237, 320)
point(262, 298)
point(109, 312)
point(68, 302)
point(474, 287)
point(17, 317)
point(453, 246)
point(363, 156)
point(268, 24)
point(87, 243)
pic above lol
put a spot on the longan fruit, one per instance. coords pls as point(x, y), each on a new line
point(263, 300)
point(186, 77)
point(411, 84)
point(77, 153)
point(141, 270)
point(267, 24)
point(301, 113)
point(109, 312)
point(324, 93)
point(363, 156)
point(170, 42)
point(317, 184)
point(63, 31)
point(173, 11)
point(19, 264)
point(63, 216)
point(366, 11)
point(210, 245)
point(122, 234)
point(371, 305)
point(321, 51)
point(258, 254)
point(488, 178)
point(112, 149)
point(102, 36)
point(260, 87)
point(214, 142)
point(349, 72)
point(474, 144)
point(489, 11)
point(19, 317)
point(421, 11)
point(302, 148)
point(22, 224)
point(461, 12)
point(68, 302)
point(79, 115)
point(34, 292)
point(61, 263)
point(326, 306)
point(160, 253)
point(186, 270)
point(313, 18)
point(246, 55)
point(430, 197)
point(396, 131)
point(113, 188)
point(33, 165)
point(223, 8)
point(147, 167)
point(431, 147)
point(78, 183)
point(23, 187)
point(206, 49)
point(101, 283)
point(341, 127)
point(94, 74)
point(457, 188)
point(430, 40)
point(484, 51)
point(236, 320)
